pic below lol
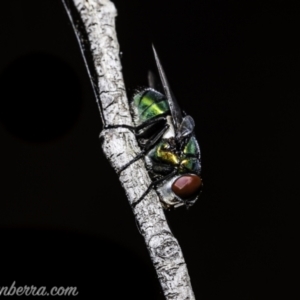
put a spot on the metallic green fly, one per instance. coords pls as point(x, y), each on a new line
point(166, 137)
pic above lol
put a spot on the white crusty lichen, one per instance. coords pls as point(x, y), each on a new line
point(120, 146)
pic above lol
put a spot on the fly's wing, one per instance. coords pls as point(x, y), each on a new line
point(186, 127)
point(84, 45)
point(174, 107)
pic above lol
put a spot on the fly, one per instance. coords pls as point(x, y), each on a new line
point(167, 139)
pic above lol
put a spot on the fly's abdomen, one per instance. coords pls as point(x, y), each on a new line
point(149, 104)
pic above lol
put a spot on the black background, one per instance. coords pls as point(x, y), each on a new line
point(65, 220)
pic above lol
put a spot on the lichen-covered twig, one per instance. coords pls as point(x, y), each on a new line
point(96, 18)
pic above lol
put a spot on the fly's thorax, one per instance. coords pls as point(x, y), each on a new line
point(166, 152)
point(190, 157)
point(185, 158)
point(189, 164)
point(191, 148)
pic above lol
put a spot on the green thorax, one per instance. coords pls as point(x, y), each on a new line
point(187, 160)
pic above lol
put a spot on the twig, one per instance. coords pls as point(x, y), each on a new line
point(120, 145)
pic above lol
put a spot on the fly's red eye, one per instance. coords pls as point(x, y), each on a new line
point(187, 186)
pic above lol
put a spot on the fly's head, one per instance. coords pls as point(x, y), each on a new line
point(179, 156)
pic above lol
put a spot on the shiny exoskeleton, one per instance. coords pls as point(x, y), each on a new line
point(171, 151)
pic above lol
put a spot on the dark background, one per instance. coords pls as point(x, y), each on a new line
point(65, 220)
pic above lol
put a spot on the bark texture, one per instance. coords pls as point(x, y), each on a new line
point(120, 146)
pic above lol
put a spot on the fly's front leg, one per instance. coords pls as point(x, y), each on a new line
point(144, 130)
point(152, 185)
point(146, 147)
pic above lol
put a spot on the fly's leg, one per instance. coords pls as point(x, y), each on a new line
point(146, 126)
point(146, 147)
point(144, 130)
point(153, 184)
